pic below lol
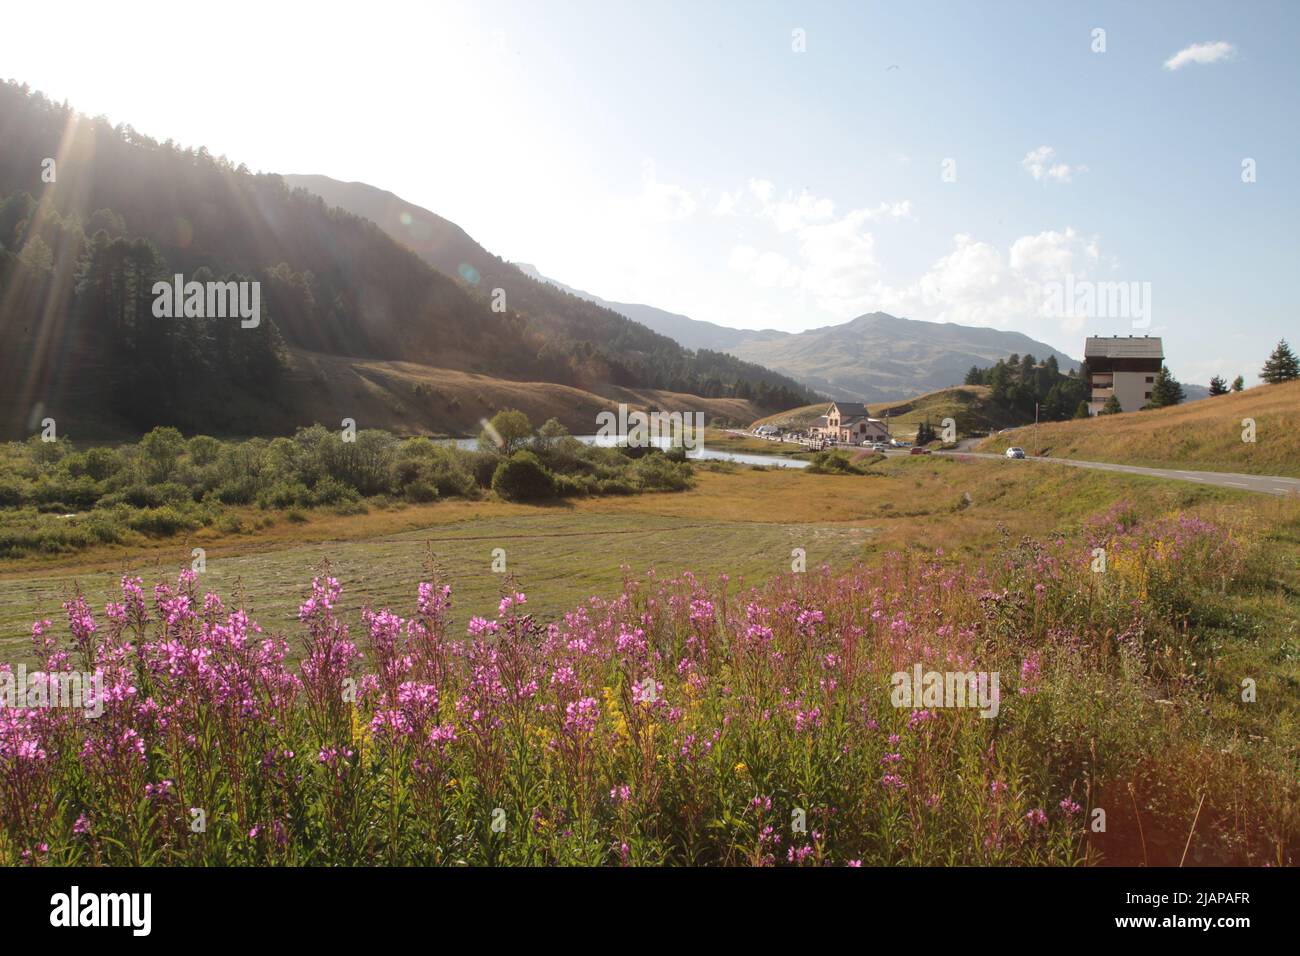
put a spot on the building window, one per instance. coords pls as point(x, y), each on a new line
point(1147, 395)
point(1150, 379)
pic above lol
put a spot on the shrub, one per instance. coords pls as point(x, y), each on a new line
point(230, 524)
point(615, 486)
point(420, 492)
point(521, 477)
point(658, 473)
point(284, 495)
point(482, 465)
point(573, 486)
point(238, 491)
point(331, 491)
point(836, 462)
point(160, 522)
point(15, 492)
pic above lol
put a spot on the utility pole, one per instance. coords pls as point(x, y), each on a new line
point(1036, 448)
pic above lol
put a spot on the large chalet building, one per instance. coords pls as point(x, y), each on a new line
point(849, 423)
point(1125, 367)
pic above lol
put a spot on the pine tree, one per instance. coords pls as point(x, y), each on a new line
point(1238, 384)
point(1282, 365)
point(1167, 390)
point(1218, 386)
point(1112, 407)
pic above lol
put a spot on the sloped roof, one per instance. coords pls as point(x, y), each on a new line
point(1124, 347)
point(850, 409)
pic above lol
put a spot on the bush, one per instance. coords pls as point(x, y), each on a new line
point(420, 492)
point(159, 522)
point(331, 491)
point(230, 524)
point(237, 491)
point(482, 465)
point(615, 486)
point(140, 495)
point(833, 463)
point(14, 492)
point(521, 477)
point(573, 486)
point(658, 473)
point(284, 495)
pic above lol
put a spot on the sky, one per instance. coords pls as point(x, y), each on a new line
point(772, 165)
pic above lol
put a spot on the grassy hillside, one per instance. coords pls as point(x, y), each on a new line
point(968, 405)
point(1204, 435)
point(879, 357)
point(409, 398)
point(634, 352)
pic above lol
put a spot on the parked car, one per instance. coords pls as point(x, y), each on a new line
point(919, 451)
point(1015, 453)
point(879, 446)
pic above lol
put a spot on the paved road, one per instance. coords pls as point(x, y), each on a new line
point(1264, 484)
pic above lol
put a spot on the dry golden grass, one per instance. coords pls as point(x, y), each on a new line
point(1203, 435)
point(409, 398)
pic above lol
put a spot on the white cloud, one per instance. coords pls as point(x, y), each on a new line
point(1211, 52)
point(661, 202)
point(726, 204)
point(977, 284)
point(1041, 164)
point(831, 257)
point(767, 269)
point(828, 256)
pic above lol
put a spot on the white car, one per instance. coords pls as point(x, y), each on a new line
point(879, 446)
point(1015, 453)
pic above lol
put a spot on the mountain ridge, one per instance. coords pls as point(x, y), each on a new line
point(873, 357)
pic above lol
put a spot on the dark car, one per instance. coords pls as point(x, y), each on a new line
point(919, 451)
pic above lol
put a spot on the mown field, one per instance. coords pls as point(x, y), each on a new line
point(739, 521)
point(1205, 435)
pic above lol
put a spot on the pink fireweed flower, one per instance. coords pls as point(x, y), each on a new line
point(1070, 807)
point(620, 794)
point(1036, 817)
point(433, 601)
point(481, 627)
point(808, 720)
point(798, 855)
point(1030, 671)
point(919, 717)
point(510, 602)
point(580, 716)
